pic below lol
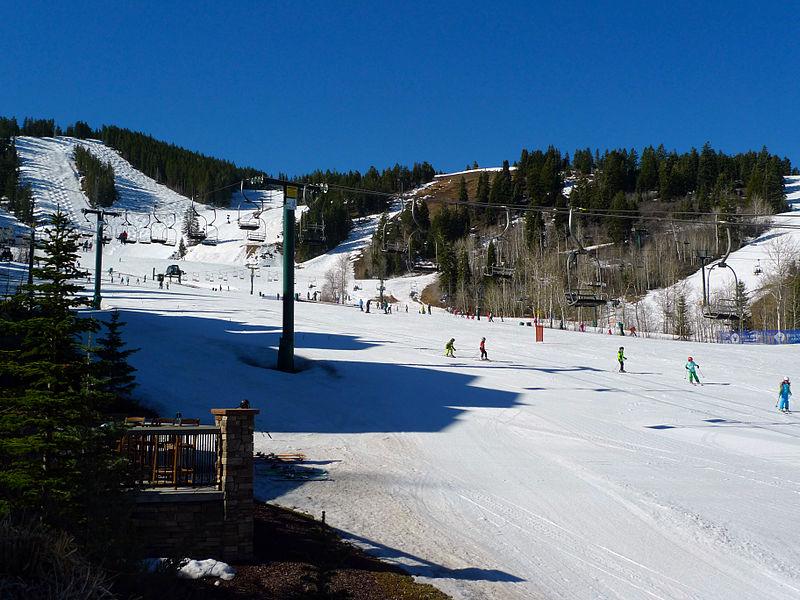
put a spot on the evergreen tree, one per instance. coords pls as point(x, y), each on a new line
point(648, 172)
point(181, 248)
point(743, 306)
point(682, 327)
point(463, 195)
point(448, 268)
point(619, 227)
point(55, 459)
point(114, 375)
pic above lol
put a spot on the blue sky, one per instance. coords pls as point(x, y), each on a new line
point(294, 86)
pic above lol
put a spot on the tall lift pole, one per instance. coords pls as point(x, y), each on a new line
point(98, 250)
point(291, 193)
point(286, 344)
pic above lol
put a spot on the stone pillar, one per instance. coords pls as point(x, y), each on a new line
point(236, 427)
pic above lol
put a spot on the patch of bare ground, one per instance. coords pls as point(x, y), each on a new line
point(297, 557)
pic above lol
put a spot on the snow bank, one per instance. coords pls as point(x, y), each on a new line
point(195, 569)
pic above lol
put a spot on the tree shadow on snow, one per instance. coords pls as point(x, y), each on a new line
point(192, 364)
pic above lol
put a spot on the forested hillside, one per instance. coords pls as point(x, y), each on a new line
point(210, 180)
point(344, 201)
point(16, 199)
point(97, 178)
point(499, 238)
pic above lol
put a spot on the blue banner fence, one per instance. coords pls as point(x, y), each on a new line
point(761, 336)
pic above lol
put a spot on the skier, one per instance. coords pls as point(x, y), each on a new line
point(449, 348)
point(692, 367)
point(621, 358)
point(360, 302)
point(783, 395)
point(484, 356)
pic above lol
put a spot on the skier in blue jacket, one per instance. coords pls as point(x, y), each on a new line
point(783, 395)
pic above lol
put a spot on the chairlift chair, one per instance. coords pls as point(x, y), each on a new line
point(313, 233)
point(500, 269)
point(393, 247)
point(212, 233)
point(144, 232)
point(757, 270)
point(197, 231)
point(258, 235)
point(722, 309)
point(424, 266)
point(172, 234)
point(158, 231)
point(129, 233)
point(251, 223)
point(587, 294)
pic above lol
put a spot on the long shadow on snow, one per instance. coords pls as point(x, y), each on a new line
point(419, 567)
point(192, 364)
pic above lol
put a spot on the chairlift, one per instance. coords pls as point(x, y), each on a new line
point(108, 232)
point(415, 262)
point(246, 223)
point(589, 294)
point(197, 231)
point(394, 247)
point(757, 270)
point(258, 235)
point(158, 231)
point(424, 266)
point(722, 309)
point(145, 232)
point(212, 232)
point(500, 269)
point(130, 232)
point(312, 233)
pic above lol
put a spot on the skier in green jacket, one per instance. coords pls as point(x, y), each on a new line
point(692, 367)
point(450, 347)
point(621, 358)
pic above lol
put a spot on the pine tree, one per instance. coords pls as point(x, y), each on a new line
point(619, 227)
point(55, 460)
point(743, 306)
point(182, 249)
point(463, 195)
point(114, 374)
point(682, 328)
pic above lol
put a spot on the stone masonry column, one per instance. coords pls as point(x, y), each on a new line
point(236, 427)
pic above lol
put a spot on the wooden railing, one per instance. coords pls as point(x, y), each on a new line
point(174, 455)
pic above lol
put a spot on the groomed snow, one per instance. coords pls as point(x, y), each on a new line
point(543, 473)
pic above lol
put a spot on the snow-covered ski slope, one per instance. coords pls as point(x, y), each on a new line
point(757, 252)
point(48, 167)
point(541, 474)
